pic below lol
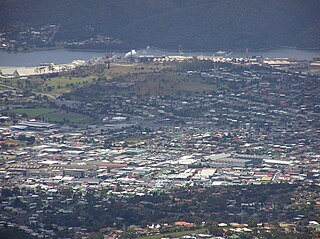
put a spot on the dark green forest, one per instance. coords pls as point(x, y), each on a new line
point(194, 24)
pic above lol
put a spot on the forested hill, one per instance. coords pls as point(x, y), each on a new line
point(194, 24)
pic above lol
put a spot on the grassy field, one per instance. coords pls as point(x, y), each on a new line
point(55, 85)
point(118, 69)
point(71, 117)
point(174, 234)
point(142, 79)
point(165, 83)
point(52, 115)
point(32, 112)
point(61, 84)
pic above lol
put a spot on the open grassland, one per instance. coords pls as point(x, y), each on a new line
point(65, 83)
point(164, 83)
point(55, 85)
point(52, 115)
point(172, 83)
point(32, 112)
point(118, 69)
point(62, 84)
point(71, 117)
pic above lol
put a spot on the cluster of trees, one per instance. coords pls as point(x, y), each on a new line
point(195, 24)
point(252, 204)
point(14, 233)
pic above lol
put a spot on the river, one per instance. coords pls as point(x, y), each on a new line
point(59, 56)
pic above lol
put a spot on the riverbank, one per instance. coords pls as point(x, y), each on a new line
point(239, 50)
point(63, 56)
point(159, 49)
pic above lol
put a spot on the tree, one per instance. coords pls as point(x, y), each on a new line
point(96, 236)
point(25, 115)
point(129, 233)
point(51, 67)
point(215, 231)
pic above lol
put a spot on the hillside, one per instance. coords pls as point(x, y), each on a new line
point(194, 24)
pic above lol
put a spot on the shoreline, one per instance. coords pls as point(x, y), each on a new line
point(159, 49)
point(63, 56)
point(241, 50)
